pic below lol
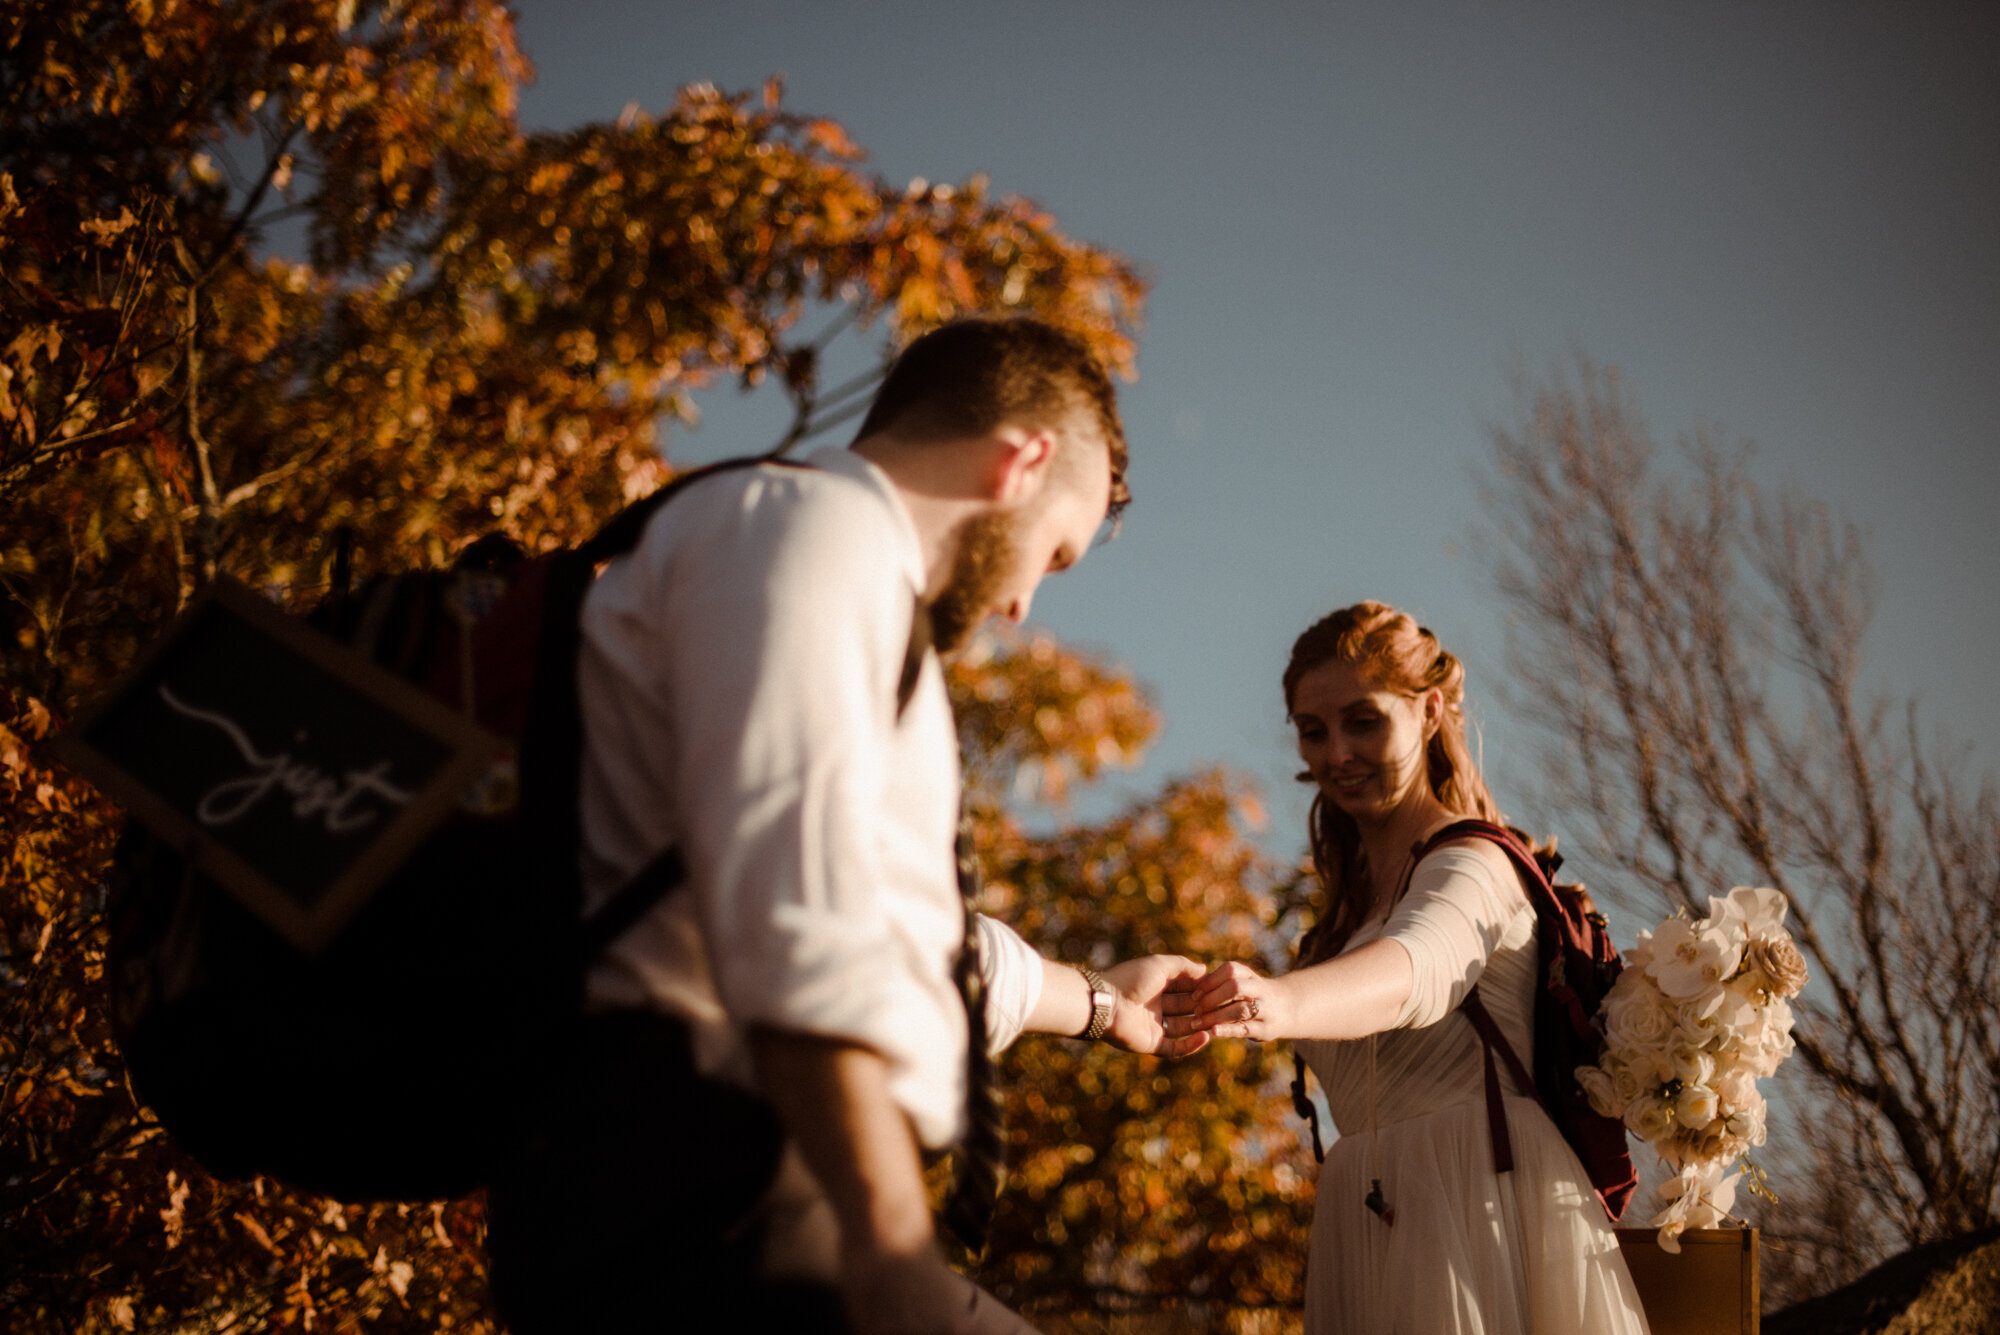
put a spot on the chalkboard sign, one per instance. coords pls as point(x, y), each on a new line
point(277, 760)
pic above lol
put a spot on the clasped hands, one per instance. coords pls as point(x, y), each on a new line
point(1170, 1007)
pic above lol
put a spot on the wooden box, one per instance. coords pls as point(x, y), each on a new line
point(1710, 1288)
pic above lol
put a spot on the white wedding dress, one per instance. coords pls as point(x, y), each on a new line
point(1470, 1252)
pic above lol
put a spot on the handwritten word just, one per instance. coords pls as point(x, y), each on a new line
point(342, 804)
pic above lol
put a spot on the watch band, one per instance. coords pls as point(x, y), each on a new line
point(1102, 999)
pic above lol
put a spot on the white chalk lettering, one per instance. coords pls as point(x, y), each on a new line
point(343, 804)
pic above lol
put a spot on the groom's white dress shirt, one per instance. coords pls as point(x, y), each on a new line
point(738, 680)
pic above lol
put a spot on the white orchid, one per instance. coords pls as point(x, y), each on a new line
point(1699, 1196)
point(1759, 910)
point(1689, 958)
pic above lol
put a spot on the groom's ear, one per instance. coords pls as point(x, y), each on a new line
point(1018, 463)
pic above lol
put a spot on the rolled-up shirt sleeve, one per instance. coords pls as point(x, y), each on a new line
point(1459, 904)
point(785, 685)
point(1012, 971)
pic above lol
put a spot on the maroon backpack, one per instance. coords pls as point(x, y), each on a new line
point(1577, 966)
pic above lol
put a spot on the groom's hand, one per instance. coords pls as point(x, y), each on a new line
point(1150, 989)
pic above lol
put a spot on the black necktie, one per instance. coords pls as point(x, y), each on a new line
point(982, 1154)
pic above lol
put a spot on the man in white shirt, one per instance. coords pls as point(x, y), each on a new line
point(758, 691)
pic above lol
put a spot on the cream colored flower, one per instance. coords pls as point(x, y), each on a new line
point(1777, 961)
point(1759, 910)
point(1690, 958)
point(1641, 954)
point(1747, 1122)
point(1692, 1065)
point(1694, 1107)
point(1649, 1118)
point(1736, 1085)
point(1634, 1013)
point(1602, 1092)
point(1631, 1076)
point(1695, 1022)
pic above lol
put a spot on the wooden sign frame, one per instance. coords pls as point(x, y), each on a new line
point(1709, 1288)
point(468, 749)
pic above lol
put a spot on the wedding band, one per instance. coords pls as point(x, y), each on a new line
point(1251, 1002)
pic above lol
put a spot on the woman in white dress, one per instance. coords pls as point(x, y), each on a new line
point(1413, 1231)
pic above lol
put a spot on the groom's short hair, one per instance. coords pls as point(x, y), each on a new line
point(971, 376)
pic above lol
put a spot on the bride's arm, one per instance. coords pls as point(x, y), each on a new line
point(1430, 953)
point(1351, 996)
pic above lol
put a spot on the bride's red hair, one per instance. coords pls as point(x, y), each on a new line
point(1392, 653)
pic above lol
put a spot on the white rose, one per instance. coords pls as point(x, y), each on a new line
point(1736, 1085)
point(1747, 1123)
point(1635, 1015)
point(1649, 1118)
point(1777, 1046)
point(1691, 1064)
point(1630, 1077)
point(1778, 1015)
point(1695, 1021)
point(1601, 1091)
point(1694, 1107)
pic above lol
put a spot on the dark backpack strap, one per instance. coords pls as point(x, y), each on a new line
point(622, 531)
point(1493, 1041)
point(921, 634)
point(666, 872)
point(631, 902)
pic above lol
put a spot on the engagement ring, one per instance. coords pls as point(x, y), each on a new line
point(1251, 1002)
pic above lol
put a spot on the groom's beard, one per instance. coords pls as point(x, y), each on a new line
point(988, 548)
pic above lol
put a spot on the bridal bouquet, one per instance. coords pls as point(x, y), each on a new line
point(1697, 1017)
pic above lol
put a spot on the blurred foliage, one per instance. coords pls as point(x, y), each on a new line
point(1134, 1184)
point(485, 332)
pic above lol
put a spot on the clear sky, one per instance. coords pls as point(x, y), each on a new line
point(1782, 219)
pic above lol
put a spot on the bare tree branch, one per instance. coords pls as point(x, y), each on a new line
point(1693, 651)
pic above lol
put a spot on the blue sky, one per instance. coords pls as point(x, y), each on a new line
point(1361, 219)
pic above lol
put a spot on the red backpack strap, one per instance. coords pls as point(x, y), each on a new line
point(1493, 1041)
point(1540, 894)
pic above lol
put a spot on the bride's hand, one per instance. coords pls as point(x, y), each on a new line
point(1235, 1001)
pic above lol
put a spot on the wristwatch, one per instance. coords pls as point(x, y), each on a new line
point(1102, 999)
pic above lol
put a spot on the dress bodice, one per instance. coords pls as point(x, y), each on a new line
point(1421, 1068)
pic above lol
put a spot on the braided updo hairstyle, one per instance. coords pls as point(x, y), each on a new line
point(1392, 653)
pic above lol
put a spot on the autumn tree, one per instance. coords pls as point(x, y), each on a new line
point(1691, 650)
point(485, 329)
point(1135, 1185)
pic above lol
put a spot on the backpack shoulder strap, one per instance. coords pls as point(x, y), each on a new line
point(668, 869)
point(1536, 880)
point(1495, 1042)
point(622, 531)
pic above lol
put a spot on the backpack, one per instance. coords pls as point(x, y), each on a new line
point(398, 1061)
point(1577, 965)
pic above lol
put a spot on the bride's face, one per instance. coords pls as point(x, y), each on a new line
point(1363, 746)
